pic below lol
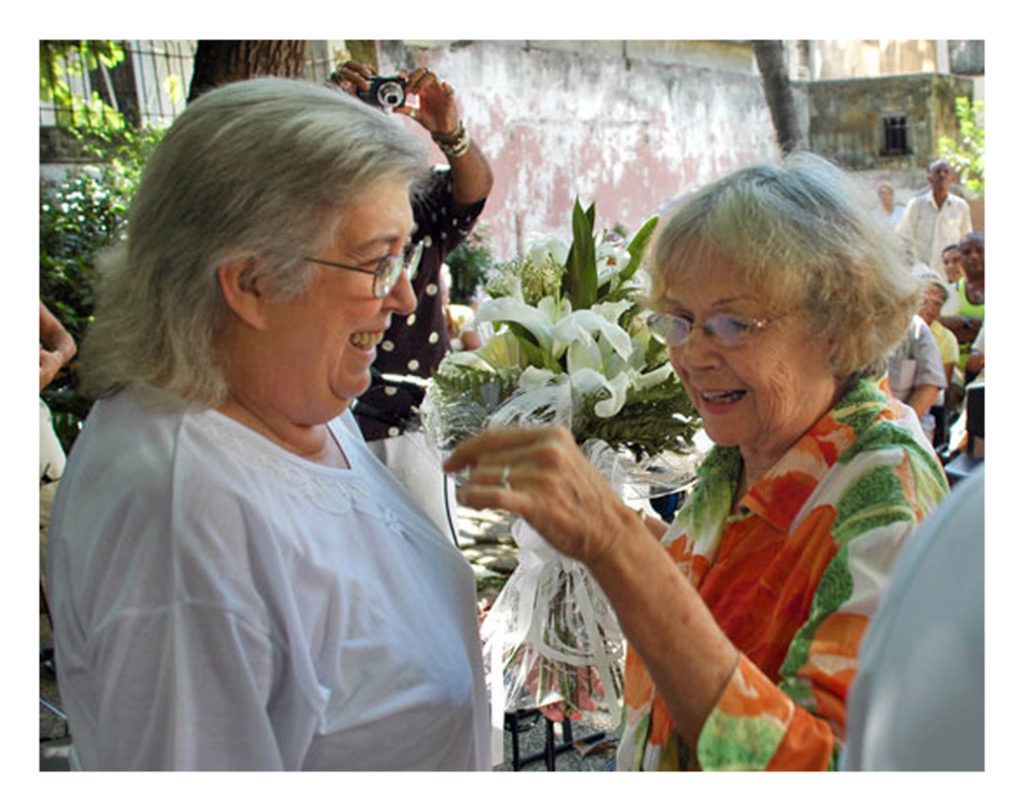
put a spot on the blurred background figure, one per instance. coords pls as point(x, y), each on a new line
point(935, 296)
point(951, 263)
point(918, 702)
point(462, 334)
point(967, 312)
point(935, 218)
point(916, 375)
point(891, 211)
point(56, 349)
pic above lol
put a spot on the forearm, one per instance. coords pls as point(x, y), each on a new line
point(965, 329)
point(471, 176)
point(667, 624)
point(922, 398)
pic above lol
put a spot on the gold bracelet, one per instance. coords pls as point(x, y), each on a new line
point(452, 144)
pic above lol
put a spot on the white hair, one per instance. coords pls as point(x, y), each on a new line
point(257, 170)
point(804, 234)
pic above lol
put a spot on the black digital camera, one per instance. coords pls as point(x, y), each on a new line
point(386, 92)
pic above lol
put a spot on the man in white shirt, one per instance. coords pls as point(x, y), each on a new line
point(933, 221)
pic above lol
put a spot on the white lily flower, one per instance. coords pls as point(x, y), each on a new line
point(655, 377)
point(579, 322)
point(588, 380)
point(612, 258)
point(611, 310)
point(536, 320)
point(545, 248)
point(533, 377)
point(466, 360)
point(584, 353)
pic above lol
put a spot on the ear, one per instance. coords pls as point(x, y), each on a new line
point(244, 291)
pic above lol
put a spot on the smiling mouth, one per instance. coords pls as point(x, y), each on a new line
point(365, 340)
point(719, 397)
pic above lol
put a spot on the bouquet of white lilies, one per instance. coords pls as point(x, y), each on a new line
point(575, 350)
point(572, 348)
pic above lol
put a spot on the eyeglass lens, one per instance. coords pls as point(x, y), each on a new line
point(727, 329)
point(391, 268)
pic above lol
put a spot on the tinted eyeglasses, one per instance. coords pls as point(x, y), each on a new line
point(725, 329)
point(387, 270)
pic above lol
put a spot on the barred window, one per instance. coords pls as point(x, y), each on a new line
point(894, 135)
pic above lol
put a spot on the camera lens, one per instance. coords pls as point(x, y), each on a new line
point(391, 94)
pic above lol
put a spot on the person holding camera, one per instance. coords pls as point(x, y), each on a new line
point(414, 345)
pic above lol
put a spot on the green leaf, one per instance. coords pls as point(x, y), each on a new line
point(637, 247)
point(581, 265)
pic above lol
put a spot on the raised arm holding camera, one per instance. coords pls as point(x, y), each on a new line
point(414, 346)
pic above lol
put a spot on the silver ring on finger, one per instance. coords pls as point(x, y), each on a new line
point(505, 471)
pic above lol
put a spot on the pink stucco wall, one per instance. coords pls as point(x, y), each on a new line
point(626, 133)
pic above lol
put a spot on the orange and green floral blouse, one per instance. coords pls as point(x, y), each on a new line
point(793, 578)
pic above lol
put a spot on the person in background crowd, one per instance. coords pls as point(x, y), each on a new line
point(953, 270)
point(744, 618)
point(965, 316)
point(935, 218)
point(56, 349)
point(935, 297)
point(974, 370)
point(463, 336)
point(891, 211)
point(975, 366)
point(916, 374)
point(414, 345)
point(918, 702)
point(236, 582)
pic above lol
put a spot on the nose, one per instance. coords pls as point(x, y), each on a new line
point(697, 350)
point(401, 298)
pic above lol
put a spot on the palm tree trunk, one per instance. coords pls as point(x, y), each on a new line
point(771, 63)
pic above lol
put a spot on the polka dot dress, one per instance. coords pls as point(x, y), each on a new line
point(414, 345)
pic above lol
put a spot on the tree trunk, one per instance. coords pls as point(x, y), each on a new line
point(771, 63)
point(219, 61)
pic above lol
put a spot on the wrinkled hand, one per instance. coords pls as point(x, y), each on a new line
point(541, 474)
point(437, 111)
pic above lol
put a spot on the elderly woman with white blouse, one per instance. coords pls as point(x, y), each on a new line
point(236, 582)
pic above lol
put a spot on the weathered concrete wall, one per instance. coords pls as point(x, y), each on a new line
point(847, 59)
point(625, 125)
point(845, 117)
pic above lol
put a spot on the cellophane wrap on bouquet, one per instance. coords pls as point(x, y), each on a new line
point(551, 635)
point(572, 348)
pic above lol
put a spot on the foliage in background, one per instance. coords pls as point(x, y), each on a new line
point(78, 217)
point(60, 59)
point(966, 153)
point(469, 264)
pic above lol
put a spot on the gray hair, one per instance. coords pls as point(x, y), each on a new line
point(805, 235)
point(258, 169)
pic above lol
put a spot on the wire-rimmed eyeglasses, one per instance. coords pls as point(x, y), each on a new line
point(387, 270)
point(725, 329)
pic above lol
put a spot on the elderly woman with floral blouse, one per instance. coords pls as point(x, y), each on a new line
point(776, 290)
